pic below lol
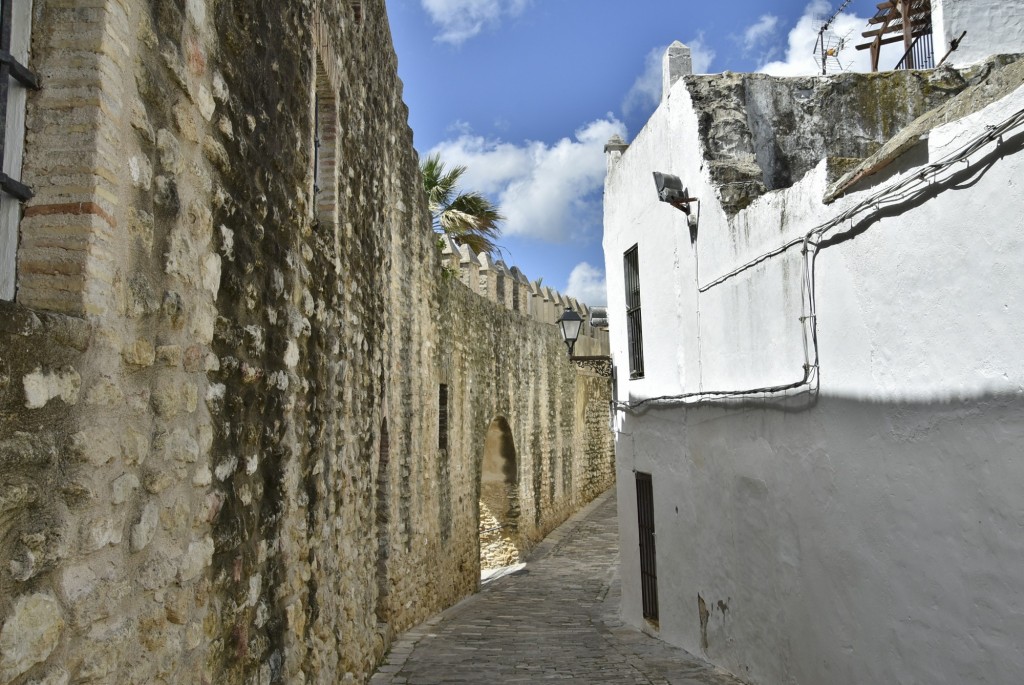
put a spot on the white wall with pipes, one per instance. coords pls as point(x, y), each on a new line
point(865, 527)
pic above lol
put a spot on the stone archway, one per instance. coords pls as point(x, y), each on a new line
point(499, 498)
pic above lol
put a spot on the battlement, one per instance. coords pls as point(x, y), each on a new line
point(511, 289)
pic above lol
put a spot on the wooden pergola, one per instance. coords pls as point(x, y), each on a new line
point(909, 21)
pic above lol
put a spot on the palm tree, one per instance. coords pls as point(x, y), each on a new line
point(468, 218)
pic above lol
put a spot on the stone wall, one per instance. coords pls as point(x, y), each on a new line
point(760, 133)
point(223, 450)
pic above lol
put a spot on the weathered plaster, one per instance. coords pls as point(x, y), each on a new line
point(867, 533)
point(992, 27)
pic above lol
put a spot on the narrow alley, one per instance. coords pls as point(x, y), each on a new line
point(554, 619)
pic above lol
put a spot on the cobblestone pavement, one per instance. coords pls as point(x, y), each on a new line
point(556, 619)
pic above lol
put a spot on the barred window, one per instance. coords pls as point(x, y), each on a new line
point(442, 417)
point(15, 78)
point(634, 325)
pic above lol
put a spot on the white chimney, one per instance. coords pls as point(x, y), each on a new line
point(675, 64)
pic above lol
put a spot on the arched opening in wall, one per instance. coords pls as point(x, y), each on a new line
point(325, 149)
point(383, 524)
point(500, 543)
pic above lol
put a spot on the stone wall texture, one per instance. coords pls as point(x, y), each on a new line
point(224, 453)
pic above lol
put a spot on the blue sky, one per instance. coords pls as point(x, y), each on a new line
point(526, 92)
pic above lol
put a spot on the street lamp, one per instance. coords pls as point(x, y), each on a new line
point(570, 324)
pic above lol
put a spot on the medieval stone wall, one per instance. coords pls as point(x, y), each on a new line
point(223, 447)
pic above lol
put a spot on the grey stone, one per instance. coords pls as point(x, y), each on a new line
point(29, 634)
point(143, 531)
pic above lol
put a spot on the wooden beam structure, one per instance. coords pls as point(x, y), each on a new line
point(895, 21)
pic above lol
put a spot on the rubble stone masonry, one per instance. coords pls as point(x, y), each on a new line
point(222, 455)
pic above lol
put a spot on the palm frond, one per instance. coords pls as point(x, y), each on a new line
point(468, 217)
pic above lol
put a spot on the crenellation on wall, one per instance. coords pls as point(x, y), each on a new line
point(451, 257)
point(549, 308)
point(469, 268)
point(503, 284)
point(487, 278)
point(521, 292)
point(536, 300)
point(511, 289)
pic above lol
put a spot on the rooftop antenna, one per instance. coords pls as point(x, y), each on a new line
point(828, 44)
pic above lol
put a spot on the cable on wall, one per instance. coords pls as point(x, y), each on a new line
point(910, 189)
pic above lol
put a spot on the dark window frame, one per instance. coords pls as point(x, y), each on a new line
point(11, 68)
point(442, 417)
point(15, 46)
point(634, 321)
point(648, 553)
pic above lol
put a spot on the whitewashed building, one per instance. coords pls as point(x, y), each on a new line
point(820, 372)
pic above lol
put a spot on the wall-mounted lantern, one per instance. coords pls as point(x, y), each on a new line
point(670, 189)
point(570, 324)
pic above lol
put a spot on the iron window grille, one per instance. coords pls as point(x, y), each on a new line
point(442, 417)
point(634, 323)
point(921, 54)
point(648, 555)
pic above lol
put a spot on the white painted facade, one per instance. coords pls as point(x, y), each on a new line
point(993, 27)
point(871, 531)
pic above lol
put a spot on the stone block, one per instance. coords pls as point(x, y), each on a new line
point(169, 355)
point(139, 354)
point(172, 395)
point(96, 445)
point(105, 392)
point(145, 528)
point(100, 532)
point(41, 387)
point(57, 676)
point(30, 634)
point(196, 559)
point(123, 487)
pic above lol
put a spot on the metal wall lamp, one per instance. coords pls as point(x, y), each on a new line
point(570, 323)
point(670, 189)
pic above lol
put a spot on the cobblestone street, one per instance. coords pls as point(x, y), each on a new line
point(556, 619)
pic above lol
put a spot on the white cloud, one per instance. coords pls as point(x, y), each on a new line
point(701, 54)
point(799, 59)
point(490, 164)
point(587, 284)
point(544, 191)
point(645, 93)
point(460, 20)
point(758, 32)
